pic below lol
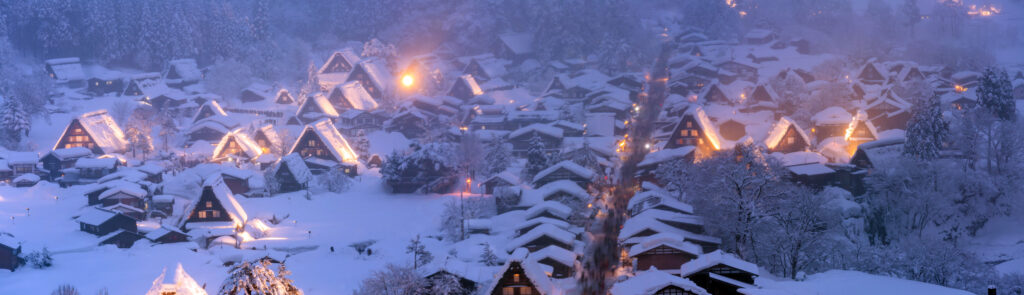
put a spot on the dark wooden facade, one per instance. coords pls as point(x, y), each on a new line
point(689, 132)
point(124, 239)
point(514, 282)
point(287, 179)
point(75, 135)
point(359, 74)
point(662, 257)
point(98, 86)
point(9, 257)
point(791, 142)
point(558, 270)
point(713, 286)
point(208, 208)
point(118, 221)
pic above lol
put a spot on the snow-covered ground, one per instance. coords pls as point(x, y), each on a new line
point(363, 213)
point(842, 282)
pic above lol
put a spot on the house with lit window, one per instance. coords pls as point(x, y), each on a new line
point(268, 140)
point(485, 67)
point(209, 109)
point(830, 122)
point(322, 141)
point(860, 130)
point(340, 61)
point(663, 251)
point(66, 71)
point(695, 128)
point(787, 137)
point(292, 173)
point(215, 213)
point(236, 146)
point(95, 131)
point(104, 81)
point(22, 163)
point(524, 138)
point(520, 276)
point(284, 97)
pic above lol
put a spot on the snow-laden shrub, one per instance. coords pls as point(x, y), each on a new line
point(39, 259)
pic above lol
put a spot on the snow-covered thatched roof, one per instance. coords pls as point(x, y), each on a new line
point(779, 130)
point(832, 116)
point(242, 140)
point(103, 130)
point(652, 281)
point(297, 167)
point(553, 207)
point(186, 68)
point(545, 129)
point(183, 284)
point(664, 239)
point(533, 271)
point(717, 257)
point(543, 230)
point(66, 69)
point(316, 103)
point(331, 138)
point(356, 95)
point(570, 166)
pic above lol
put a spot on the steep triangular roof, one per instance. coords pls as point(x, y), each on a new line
point(242, 140)
point(103, 130)
point(534, 274)
point(704, 122)
point(284, 97)
point(183, 284)
point(779, 130)
point(316, 103)
point(209, 109)
point(651, 281)
point(340, 61)
point(861, 122)
point(355, 95)
point(331, 138)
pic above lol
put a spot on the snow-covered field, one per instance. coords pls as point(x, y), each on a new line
point(338, 220)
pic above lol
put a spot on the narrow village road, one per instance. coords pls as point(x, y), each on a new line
point(603, 254)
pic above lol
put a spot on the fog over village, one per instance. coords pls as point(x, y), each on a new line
point(512, 147)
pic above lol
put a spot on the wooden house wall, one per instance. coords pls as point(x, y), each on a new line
point(208, 203)
point(514, 279)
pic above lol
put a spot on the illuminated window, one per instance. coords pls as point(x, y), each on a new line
point(202, 214)
point(515, 278)
point(215, 214)
point(693, 132)
point(689, 124)
point(525, 291)
point(508, 291)
point(209, 204)
point(790, 140)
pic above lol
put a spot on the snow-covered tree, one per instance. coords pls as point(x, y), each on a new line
point(40, 259)
point(488, 257)
point(393, 280)
point(927, 130)
point(446, 284)
point(228, 77)
point(506, 198)
point(420, 255)
point(498, 158)
point(386, 51)
point(802, 228)
point(256, 277)
point(334, 181)
point(536, 158)
point(13, 121)
point(457, 211)
point(995, 93)
point(361, 145)
point(911, 14)
point(429, 167)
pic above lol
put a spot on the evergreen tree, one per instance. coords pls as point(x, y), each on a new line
point(498, 158)
point(912, 14)
point(926, 131)
point(995, 93)
point(488, 257)
point(256, 277)
point(536, 158)
point(14, 123)
point(420, 255)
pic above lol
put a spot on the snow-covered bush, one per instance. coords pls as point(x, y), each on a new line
point(445, 284)
point(393, 280)
point(65, 289)
point(334, 181)
point(488, 257)
point(39, 259)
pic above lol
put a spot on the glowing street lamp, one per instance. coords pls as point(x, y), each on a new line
point(408, 80)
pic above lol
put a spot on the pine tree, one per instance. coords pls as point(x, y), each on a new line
point(498, 158)
point(13, 121)
point(536, 158)
point(488, 257)
point(256, 277)
point(926, 131)
point(420, 255)
point(995, 93)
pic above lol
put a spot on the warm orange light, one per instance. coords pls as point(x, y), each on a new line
point(468, 181)
point(407, 80)
point(959, 88)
